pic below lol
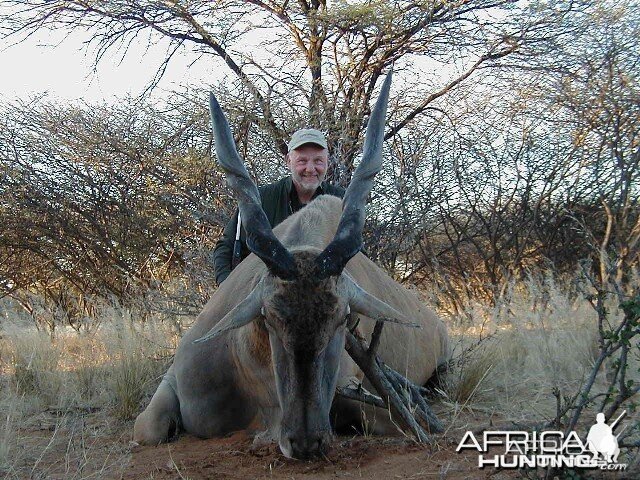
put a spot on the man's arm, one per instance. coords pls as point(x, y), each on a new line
point(223, 251)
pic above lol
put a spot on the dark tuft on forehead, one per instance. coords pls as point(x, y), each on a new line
point(305, 262)
point(306, 306)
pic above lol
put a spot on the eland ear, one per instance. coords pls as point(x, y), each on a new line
point(363, 302)
point(242, 314)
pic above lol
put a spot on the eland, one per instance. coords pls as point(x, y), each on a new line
point(268, 351)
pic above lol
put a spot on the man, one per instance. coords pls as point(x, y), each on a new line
point(601, 440)
point(307, 160)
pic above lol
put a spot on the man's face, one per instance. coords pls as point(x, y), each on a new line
point(308, 165)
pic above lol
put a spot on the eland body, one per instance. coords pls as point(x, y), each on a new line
point(267, 352)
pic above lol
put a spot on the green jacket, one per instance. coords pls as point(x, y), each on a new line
point(279, 200)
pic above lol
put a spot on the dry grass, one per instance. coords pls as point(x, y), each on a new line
point(60, 394)
point(510, 357)
point(11, 418)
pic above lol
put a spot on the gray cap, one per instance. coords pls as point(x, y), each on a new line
point(307, 135)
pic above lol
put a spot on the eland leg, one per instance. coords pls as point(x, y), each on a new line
point(161, 419)
point(349, 415)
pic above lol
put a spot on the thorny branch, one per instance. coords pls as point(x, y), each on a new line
point(398, 393)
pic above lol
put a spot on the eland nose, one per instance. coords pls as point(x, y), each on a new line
point(309, 446)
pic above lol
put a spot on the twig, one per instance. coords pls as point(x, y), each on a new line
point(375, 338)
point(396, 391)
point(361, 395)
point(424, 411)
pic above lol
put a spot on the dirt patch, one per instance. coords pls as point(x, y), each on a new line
point(357, 457)
point(91, 445)
point(81, 445)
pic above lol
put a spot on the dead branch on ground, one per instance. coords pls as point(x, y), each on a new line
point(404, 398)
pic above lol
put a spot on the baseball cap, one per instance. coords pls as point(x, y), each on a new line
point(307, 135)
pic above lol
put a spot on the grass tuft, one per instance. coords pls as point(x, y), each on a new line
point(131, 379)
point(35, 360)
